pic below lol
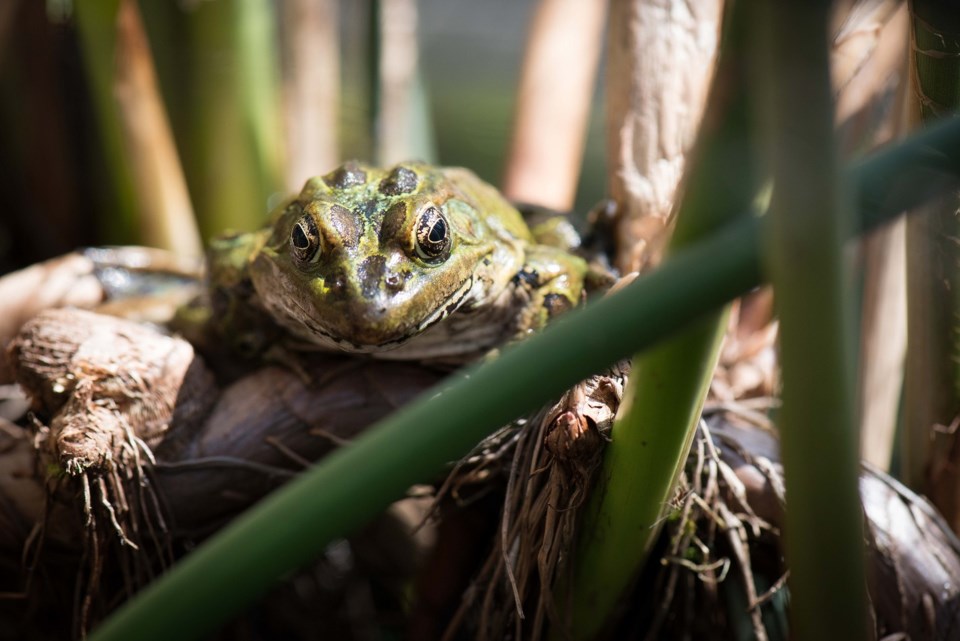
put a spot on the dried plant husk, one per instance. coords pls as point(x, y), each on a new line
point(110, 387)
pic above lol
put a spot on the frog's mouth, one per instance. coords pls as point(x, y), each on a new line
point(371, 337)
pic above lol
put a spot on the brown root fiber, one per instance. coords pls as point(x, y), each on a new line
point(551, 466)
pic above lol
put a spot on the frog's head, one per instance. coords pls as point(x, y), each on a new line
point(366, 259)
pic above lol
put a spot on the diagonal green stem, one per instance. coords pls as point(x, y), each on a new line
point(292, 526)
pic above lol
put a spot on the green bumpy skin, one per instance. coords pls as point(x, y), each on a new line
point(413, 262)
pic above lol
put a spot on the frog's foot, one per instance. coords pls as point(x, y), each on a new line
point(596, 246)
point(550, 283)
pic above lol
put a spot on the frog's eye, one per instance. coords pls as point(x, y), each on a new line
point(305, 240)
point(433, 236)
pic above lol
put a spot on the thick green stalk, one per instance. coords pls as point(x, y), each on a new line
point(292, 526)
point(804, 257)
point(650, 443)
point(651, 437)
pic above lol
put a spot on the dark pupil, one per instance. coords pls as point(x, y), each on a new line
point(433, 237)
point(300, 240)
point(438, 232)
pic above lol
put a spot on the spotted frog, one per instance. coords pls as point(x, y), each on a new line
point(412, 262)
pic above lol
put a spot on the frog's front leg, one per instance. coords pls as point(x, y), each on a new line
point(550, 283)
point(554, 229)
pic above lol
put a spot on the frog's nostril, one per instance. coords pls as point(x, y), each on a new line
point(393, 281)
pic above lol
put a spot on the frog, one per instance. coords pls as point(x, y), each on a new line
point(409, 262)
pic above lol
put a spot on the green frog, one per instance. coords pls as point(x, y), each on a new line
point(412, 262)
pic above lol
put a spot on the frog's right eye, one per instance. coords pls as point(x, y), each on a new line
point(305, 240)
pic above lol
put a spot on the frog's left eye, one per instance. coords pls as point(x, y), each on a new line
point(433, 239)
point(305, 240)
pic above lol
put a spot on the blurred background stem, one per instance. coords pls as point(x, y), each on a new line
point(553, 103)
point(97, 28)
point(311, 88)
point(164, 211)
point(930, 444)
point(868, 70)
point(234, 164)
point(402, 128)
